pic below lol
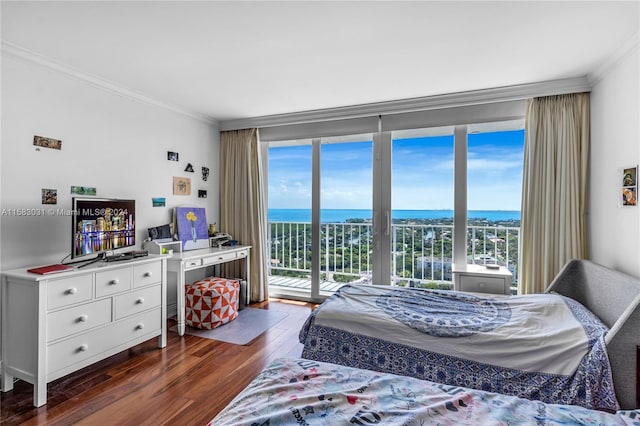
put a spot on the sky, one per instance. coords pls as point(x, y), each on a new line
point(422, 173)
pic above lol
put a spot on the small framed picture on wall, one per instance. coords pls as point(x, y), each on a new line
point(630, 186)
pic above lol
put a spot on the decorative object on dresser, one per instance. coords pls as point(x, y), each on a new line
point(55, 324)
point(50, 269)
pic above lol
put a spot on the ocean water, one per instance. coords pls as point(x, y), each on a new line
point(339, 215)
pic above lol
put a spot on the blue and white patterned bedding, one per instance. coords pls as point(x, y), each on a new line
point(545, 347)
point(304, 392)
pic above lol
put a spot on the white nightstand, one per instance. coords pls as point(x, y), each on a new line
point(480, 279)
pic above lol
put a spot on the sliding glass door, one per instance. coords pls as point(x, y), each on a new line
point(346, 173)
point(320, 214)
point(422, 206)
point(494, 193)
point(289, 215)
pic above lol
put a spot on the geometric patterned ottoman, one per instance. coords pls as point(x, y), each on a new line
point(211, 302)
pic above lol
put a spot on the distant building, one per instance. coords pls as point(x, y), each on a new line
point(433, 269)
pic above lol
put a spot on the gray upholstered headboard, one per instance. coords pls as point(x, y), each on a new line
point(615, 298)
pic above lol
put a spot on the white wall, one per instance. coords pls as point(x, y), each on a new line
point(613, 229)
point(109, 141)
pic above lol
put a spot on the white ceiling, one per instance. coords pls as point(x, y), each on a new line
point(237, 60)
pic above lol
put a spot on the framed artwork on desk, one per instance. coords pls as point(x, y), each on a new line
point(192, 227)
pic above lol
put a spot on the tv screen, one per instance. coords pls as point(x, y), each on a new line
point(101, 225)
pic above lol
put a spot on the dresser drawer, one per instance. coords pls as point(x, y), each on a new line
point(147, 274)
point(219, 258)
point(242, 253)
point(137, 301)
point(482, 284)
point(113, 281)
point(93, 343)
point(78, 319)
point(68, 291)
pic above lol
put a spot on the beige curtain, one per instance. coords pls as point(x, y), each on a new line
point(554, 188)
point(242, 203)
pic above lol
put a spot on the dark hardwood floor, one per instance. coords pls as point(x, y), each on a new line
point(186, 383)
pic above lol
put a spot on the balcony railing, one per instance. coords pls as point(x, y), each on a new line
point(421, 254)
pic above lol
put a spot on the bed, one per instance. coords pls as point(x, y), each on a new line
point(303, 392)
point(575, 344)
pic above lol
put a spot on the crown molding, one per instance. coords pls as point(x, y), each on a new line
point(96, 81)
point(612, 61)
point(450, 100)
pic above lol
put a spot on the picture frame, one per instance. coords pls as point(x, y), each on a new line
point(192, 227)
point(629, 186)
point(44, 142)
point(181, 185)
point(83, 190)
point(49, 196)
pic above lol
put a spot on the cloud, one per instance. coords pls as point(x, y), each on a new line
point(422, 175)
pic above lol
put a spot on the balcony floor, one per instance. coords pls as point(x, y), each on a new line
point(301, 284)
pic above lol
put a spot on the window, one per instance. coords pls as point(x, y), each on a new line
point(398, 205)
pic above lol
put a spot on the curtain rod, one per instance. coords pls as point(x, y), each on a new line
point(450, 100)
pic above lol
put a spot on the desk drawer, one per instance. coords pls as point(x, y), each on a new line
point(68, 291)
point(219, 258)
point(78, 319)
point(480, 284)
point(194, 263)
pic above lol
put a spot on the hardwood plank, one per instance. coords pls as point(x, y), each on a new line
point(188, 382)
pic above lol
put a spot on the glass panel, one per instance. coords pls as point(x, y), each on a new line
point(289, 216)
point(422, 207)
point(495, 154)
point(346, 176)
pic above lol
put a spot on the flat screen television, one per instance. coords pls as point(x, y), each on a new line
point(100, 225)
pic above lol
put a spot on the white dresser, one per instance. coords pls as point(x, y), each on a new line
point(480, 279)
point(58, 323)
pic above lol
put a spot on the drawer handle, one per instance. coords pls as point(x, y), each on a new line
point(72, 290)
point(140, 301)
point(139, 326)
point(220, 258)
point(114, 282)
point(83, 318)
point(147, 274)
point(83, 348)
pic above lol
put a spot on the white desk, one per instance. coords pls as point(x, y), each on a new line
point(180, 263)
